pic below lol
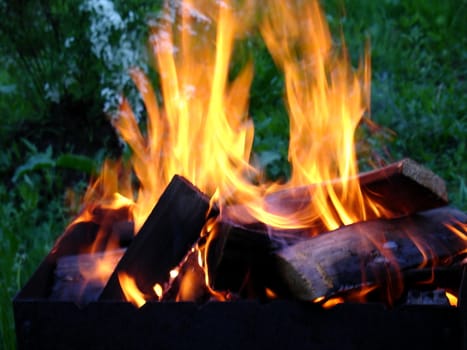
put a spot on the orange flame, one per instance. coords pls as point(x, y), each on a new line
point(130, 290)
point(460, 231)
point(326, 100)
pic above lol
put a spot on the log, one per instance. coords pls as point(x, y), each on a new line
point(168, 234)
point(107, 228)
point(402, 188)
point(374, 253)
point(239, 260)
point(81, 278)
point(243, 243)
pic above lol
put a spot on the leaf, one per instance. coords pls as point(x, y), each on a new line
point(77, 162)
point(35, 162)
point(31, 147)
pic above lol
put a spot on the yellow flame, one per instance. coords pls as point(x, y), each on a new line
point(270, 293)
point(130, 290)
point(326, 100)
point(202, 132)
point(173, 273)
point(158, 290)
point(452, 298)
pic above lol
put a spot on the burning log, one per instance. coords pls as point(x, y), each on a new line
point(366, 254)
point(238, 259)
point(401, 188)
point(168, 234)
point(243, 245)
point(109, 227)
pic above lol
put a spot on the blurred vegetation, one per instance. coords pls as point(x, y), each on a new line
point(64, 64)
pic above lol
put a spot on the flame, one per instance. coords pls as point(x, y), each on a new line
point(332, 302)
point(326, 100)
point(202, 130)
point(203, 125)
point(158, 290)
point(451, 298)
point(199, 126)
point(130, 290)
point(460, 231)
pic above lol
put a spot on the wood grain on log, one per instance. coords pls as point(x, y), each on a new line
point(168, 234)
point(377, 252)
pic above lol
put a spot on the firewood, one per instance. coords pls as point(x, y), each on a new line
point(107, 226)
point(169, 232)
point(405, 188)
point(401, 188)
point(81, 278)
point(373, 253)
point(239, 260)
point(243, 242)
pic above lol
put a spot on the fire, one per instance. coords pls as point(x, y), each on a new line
point(459, 231)
point(130, 289)
point(451, 298)
point(200, 127)
point(203, 125)
point(326, 101)
point(202, 130)
point(158, 290)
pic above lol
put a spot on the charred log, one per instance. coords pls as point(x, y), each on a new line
point(239, 260)
point(108, 227)
point(168, 234)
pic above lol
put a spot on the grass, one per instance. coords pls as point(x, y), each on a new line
point(419, 80)
point(419, 55)
point(33, 214)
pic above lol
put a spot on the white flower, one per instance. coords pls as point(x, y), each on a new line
point(117, 47)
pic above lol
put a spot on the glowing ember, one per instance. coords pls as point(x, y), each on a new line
point(158, 290)
point(332, 302)
point(173, 273)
